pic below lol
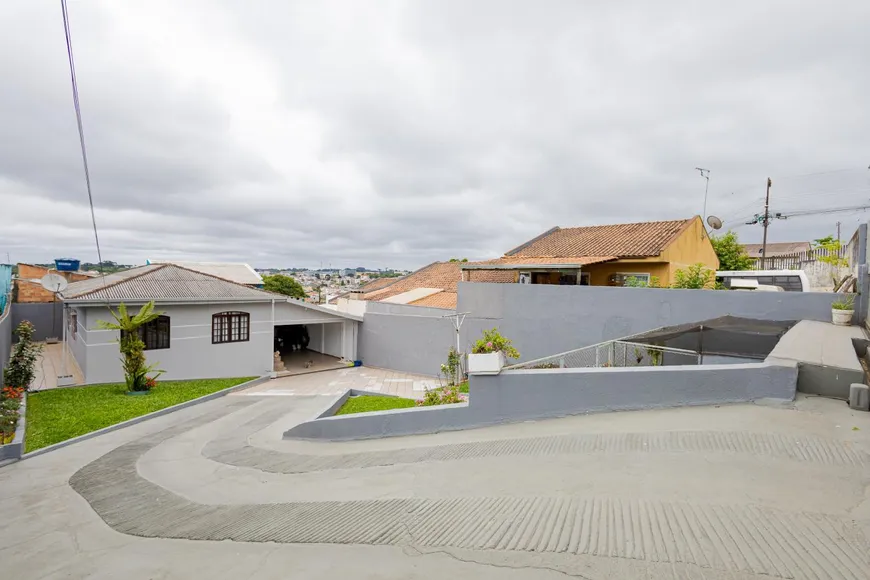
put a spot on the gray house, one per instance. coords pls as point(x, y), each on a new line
point(208, 328)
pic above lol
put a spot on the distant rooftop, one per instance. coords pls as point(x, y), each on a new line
point(237, 272)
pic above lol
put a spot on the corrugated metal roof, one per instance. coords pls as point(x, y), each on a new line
point(162, 282)
point(237, 272)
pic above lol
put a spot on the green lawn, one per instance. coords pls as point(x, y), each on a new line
point(60, 414)
point(366, 403)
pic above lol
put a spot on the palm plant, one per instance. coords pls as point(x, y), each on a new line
point(132, 347)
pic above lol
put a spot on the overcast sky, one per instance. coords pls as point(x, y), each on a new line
point(393, 134)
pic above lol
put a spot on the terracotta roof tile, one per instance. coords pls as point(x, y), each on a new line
point(441, 300)
point(620, 240)
point(544, 260)
point(377, 284)
point(443, 275)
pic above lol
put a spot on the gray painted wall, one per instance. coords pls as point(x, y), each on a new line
point(406, 338)
point(47, 318)
point(543, 320)
point(75, 340)
point(535, 394)
point(5, 338)
point(191, 353)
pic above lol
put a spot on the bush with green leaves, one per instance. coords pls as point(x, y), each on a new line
point(21, 367)
point(695, 277)
point(635, 282)
point(493, 341)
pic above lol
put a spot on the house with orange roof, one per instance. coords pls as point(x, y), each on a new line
point(605, 255)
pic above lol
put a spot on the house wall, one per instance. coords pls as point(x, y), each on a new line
point(191, 354)
point(78, 342)
point(46, 317)
point(691, 247)
point(546, 320)
point(599, 274)
point(29, 291)
point(332, 339)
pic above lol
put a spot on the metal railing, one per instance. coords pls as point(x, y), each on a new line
point(614, 353)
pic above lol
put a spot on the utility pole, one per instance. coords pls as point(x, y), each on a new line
point(765, 223)
point(838, 232)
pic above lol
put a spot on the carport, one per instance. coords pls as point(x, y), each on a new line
point(312, 338)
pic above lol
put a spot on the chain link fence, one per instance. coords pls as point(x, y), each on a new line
point(614, 353)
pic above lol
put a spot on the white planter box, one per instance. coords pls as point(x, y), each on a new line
point(485, 364)
point(842, 317)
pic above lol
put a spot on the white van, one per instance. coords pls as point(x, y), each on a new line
point(788, 280)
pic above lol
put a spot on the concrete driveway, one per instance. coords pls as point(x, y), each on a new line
point(736, 492)
point(332, 383)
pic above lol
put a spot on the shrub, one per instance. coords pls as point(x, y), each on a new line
point(452, 369)
point(493, 341)
point(695, 277)
point(443, 396)
point(21, 367)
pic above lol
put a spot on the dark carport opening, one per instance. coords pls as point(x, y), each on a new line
point(723, 340)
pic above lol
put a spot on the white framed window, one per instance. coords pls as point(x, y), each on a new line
point(639, 276)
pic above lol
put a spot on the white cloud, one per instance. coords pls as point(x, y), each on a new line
point(397, 133)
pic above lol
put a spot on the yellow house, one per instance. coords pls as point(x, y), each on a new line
point(602, 255)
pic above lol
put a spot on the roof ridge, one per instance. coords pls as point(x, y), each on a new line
point(630, 224)
point(233, 282)
point(113, 284)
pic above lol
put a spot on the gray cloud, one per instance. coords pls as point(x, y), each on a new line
point(300, 133)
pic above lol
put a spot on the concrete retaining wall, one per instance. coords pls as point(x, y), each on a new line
point(46, 317)
point(544, 320)
point(540, 393)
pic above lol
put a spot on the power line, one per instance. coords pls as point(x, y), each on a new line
point(77, 105)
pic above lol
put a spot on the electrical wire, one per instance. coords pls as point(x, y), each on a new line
point(78, 110)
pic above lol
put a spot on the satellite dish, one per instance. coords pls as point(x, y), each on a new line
point(54, 282)
point(714, 222)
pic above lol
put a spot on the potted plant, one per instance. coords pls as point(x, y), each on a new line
point(843, 309)
point(489, 353)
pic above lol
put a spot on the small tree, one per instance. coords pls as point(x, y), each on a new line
point(731, 254)
point(20, 370)
point(132, 347)
point(695, 277)
point(285, 285)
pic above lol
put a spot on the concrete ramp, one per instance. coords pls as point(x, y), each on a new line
point(826, 357)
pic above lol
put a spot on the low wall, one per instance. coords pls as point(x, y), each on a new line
point(543, 320)
point(46, 317)
point(521, 395)
point(406, 338)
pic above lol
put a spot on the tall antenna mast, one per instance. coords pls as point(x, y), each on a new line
point(705, 173)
